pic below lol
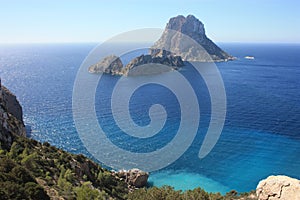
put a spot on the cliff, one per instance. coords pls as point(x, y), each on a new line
point(185, 37)
point(11, 121)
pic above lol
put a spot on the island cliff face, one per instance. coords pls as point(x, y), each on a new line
point(191, 28)
point(11, 121)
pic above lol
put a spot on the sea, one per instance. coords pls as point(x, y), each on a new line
point(261, 133)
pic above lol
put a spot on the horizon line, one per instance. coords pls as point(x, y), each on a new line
point(99, 42)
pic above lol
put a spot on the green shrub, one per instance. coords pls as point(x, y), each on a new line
point(35, 192)
point(86, 192)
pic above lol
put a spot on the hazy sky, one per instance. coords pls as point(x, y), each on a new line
point(94, 21)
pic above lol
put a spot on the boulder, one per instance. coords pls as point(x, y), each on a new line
point(135, 178)
point(279, 188)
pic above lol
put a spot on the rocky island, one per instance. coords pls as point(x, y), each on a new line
point(185, 36)
point(183, 39)
point(158, 62)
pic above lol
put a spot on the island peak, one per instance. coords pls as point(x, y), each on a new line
point(185, 36)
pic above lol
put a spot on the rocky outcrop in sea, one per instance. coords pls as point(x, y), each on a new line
point(110, 65)
point(185, 37)
point(156, 63)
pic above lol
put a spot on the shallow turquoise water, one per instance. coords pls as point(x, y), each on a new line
point(181, 180)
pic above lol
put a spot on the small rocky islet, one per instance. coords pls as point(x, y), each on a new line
point(158, 62)
point(184, 39)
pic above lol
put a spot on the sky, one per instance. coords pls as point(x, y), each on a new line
point(56, 21)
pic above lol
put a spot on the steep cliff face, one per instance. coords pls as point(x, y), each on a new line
point(11, 121)
point(185, 36)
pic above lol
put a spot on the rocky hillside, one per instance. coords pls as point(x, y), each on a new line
point(185, 37)
point(32, 170)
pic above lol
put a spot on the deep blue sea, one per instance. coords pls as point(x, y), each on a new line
point(261, 135)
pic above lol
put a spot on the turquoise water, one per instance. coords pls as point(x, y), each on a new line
point(182, 180)
point(261, 135)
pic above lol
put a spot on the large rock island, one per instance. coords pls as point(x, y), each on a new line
point(183, 39)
